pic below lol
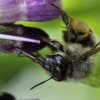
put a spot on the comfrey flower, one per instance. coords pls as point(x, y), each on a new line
point(12, 36)
point(29, 10)
point(19, 36)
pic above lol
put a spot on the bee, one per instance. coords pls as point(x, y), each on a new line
point(76, 30)
point(74, 63)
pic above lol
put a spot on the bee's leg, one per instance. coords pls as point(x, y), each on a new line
point(20, 54)
point(38, 59)
point(95, 49)
point(58, 45)
point(64, 15)
point(67, 20)
point(69, 37)
point(54, 45)
point(91, 52)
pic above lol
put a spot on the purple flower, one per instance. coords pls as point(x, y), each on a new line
point(19, 36)
point(11, 46)
point(29, 10)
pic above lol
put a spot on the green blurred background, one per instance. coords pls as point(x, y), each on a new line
point(18, 74)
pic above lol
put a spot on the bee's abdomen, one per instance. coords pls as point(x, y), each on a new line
point(80, 69)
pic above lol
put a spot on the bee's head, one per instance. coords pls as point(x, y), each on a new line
point(79, 33)
point(56, 66)
point(81, 29)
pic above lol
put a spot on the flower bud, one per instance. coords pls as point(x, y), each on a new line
point(28, 10)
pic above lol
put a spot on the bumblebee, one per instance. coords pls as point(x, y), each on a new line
point(76, 30)
point(74, 63)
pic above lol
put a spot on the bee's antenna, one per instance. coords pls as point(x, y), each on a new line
point(95, 47)
point(37, 58)
point(40, 83)
point(60, 10)
point(64, 15)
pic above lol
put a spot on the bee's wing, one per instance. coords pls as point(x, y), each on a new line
point(19, 31)
point(95, 49)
